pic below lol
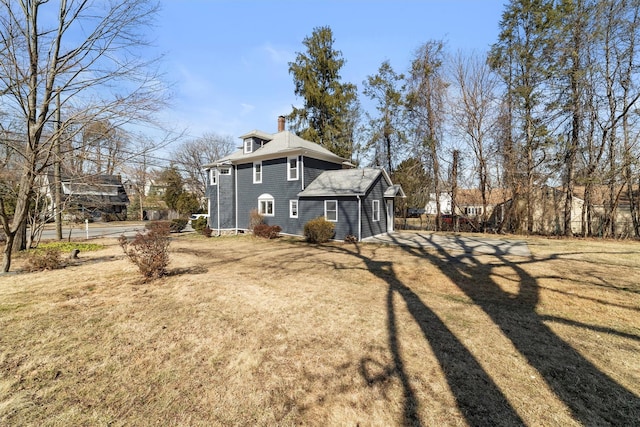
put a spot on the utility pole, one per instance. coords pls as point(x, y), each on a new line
point(454, 190)
point(57, 173)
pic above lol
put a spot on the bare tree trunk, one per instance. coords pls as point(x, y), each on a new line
point(454, 191)
point(57, 172)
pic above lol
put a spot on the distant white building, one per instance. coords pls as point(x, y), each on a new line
point(445, 204)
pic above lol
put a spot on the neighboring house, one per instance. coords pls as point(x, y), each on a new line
point(289, 181)
point(155, 187)
point(101, 197)
point(468, 203)
point(431, 208)
point(548, 212)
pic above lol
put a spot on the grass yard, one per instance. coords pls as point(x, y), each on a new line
point(247, 331)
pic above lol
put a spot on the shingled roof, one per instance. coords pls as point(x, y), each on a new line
point(279, 145)
point(347, 182)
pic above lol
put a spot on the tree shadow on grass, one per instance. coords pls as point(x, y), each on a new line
point(477, 395)
point(592, 396)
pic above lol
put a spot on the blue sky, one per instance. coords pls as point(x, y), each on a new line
point(228, 60)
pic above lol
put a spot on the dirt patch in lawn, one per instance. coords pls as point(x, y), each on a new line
point(246, 331)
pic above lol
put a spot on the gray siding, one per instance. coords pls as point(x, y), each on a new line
point(275, 183)
point(226, 184)
point(376, 192)
point(314, 167)
point(313, 207)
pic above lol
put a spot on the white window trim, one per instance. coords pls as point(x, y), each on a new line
point(325, 210)
point(266, 198)
point(257, 181)
point(289, 168)
point(248, 146)
point(225, 171)
point(291, 204)
point(375, 207)
point(213, 176)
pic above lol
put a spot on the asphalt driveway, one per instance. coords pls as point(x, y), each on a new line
point(480, 244)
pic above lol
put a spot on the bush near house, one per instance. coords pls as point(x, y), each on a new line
point(319, 230)
point(199, 224)
point(255, 218)
point(267, 231)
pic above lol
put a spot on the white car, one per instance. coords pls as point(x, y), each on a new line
point(197, 216)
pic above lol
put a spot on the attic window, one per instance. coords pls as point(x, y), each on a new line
point(292, 168)
point(248, 145)
point(225, 171)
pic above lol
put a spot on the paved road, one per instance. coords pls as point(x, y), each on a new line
point(480, 244)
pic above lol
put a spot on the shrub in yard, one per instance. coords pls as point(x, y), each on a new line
point(174, 226)
point(267, 231)
point(206, 232)
point(199, 224)
point(318, 230)
point(255, 218)
point(350, 238)
point(44, 259)
point(152, 225)
point(178, 224)
point(149, 251)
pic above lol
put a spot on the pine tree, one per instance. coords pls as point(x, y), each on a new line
point(327, 114)
point(387, 89)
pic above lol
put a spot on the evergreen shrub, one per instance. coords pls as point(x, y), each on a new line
point(319, 230)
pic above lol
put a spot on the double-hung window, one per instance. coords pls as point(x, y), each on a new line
point(213, 176)
point(266, 205)
point(376, 210)
point(292, 168)
point(248, 145)
point(257, 172)
point(293, 209)
point(331, 210)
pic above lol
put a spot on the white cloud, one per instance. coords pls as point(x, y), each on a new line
point(277, 56)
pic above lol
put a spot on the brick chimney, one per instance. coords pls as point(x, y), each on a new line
point(280, 123)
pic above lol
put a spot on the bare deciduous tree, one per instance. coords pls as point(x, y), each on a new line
point(426, 108)
point(91, 55)
point(475, 114)
point(191, 156)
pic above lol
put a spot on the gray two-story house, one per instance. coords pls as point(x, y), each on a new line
point(290, 181)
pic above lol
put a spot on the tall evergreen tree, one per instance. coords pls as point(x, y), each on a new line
point(173, 180)
point(327, 114)
point(386, 88)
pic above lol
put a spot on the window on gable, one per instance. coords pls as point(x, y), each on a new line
point(331, 210)
point(213, 176)
point(248, 145)
point(266, 205)
point(257, 172)
point(292, 168)
point(293, 209)
point(376, 210)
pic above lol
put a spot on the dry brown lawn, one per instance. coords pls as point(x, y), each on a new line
point(246, 331)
